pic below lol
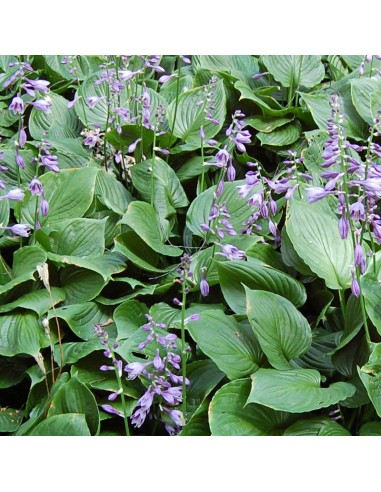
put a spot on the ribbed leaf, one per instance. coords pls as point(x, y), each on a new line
point(283, 136)
point(314, 233)
point(229, 344)
point(235, 274)
point(296, 70)
point(295, 391)
point(282, 331)
point(230, 415)
point(68, 424)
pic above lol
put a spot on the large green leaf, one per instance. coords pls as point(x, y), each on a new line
point(317, 426)
point(168, 192)
point(235, 274)
point(80, 285)
point(21, 334)
point(69, 194)
point(10, 419)
point(204, 376)
point(12, 371)
point(321, 112)
point(314, 233)
point(241, 67)
point(283, 136)
point(371, 290)
point(362, 90)
point(190, 116)
point(229, 344)
point(370, 375)
point(82, 318)
point(68, 424)
point(75, 397)
point(106, 265)
point(78, 237)
point(282, 331)
point(25, 262)
point(112, 193)
point(230, 415)
point(58, 122)
point(296, 390)
point(295, 70)
point(129, 317)
point(39, 301)
point(144, 221)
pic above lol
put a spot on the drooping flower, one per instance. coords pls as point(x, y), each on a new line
point(231, 252)
point(19, 229)
point(17, 105)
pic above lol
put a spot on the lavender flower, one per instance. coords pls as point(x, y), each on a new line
point(17, 105)
point(16, 195)
point(35, 187)
point(132, 147)
point(44, 105)
point(204, 286)
point(231, 252)
point(19, 229)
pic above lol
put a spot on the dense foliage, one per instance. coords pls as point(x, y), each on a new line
point(190, 245)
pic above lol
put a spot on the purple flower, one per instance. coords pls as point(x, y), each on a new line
point(316, 193)
point(343, 227)
point(231, 172)
point(17, 105)
point(231, 252)
point(43, 104)
point(355, 288)
point(112, 410)
point(70, 104)
point(165, 78)
point(223, 158)
point(20, 161)
point(22, 138)
point(37, 85)
point(35, 187)
point(204, 286)
point(50, 161)
point(44, 207)
point(19, 229)
point(92, 101)
point(133, 146)
point(17, 195)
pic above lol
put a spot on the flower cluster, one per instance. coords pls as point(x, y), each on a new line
point(165, 386)
point(355, 183)
point(236, 133)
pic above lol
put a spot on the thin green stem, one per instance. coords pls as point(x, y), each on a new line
point(176, 101)
point(203, 167)
point(183, 347)
point(120, 387)
point(153, 169)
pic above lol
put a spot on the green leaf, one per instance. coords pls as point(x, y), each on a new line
point(266, 124)
point(235, 274)
point(21, 334)
point(83, 65)
point(59, 121)
point(190, 116)
point(12, 371)
point(204, 376)
point(69, 194)
point(10, 419)
point(282, 331)
point(230, 415)
point(317, 426)
point(129, 317)
point(370, 429)
point(198, 424)
point(112, 193)
point(330, 257)
point(79, 237)
point(295, 70)
point(106, 265)
point(362, 90)
point(80, 285)
point(145, 222)
point(295, 391)
point(168, 192)
point(278, 138)
point(38, 301)
point(82, 318)
point(321, 111)
point(136, 250)
point(68, 424)
point(370, 375)
point(74, 397)
point(371, 290)
point(74, 351)
point(318, 355)
point(229, 344)
point(241, 67)
point(25, 262)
